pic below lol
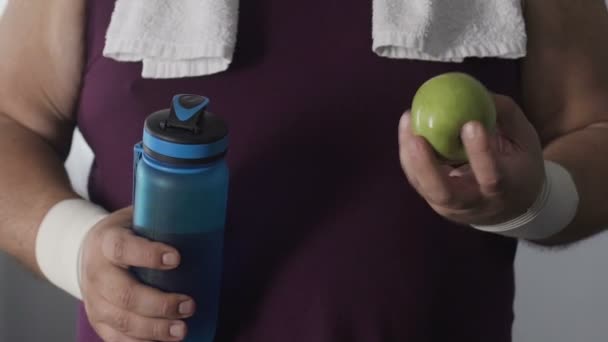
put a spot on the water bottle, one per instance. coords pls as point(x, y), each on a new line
point(179, 198)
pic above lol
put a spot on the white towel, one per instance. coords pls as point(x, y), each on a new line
point(184, 38)
point(173, 38)
point(448, 30)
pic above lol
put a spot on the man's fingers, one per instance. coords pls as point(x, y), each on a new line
point(461, 171)
point(513, 123)
point(119, 307)
point(482, 158)
point(124, 248)
point(122, 217)
point(122, 290)
point(419, 161)
point(404, 138)
point(107, 333)
point(434, 185)
point(506, 115)
point(137, 327)
point(430, 177)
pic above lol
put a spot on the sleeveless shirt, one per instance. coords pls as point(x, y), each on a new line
point(325, 239)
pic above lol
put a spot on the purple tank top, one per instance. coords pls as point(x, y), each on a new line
point(326, 241)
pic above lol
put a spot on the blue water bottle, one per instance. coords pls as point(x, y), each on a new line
point(180, 194)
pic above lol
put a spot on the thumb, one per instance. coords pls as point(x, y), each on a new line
point(513, 123)
point(122, 217)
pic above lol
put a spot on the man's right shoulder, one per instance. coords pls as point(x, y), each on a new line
point(41, 49)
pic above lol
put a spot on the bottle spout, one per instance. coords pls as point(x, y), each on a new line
point(186, 113)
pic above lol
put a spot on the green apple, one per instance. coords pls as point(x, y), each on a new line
point(443, 104)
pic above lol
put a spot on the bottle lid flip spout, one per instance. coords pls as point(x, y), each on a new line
point(186, 132)
point(186, 112)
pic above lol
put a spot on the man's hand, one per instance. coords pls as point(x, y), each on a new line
point(501, 181)
point(118, 306)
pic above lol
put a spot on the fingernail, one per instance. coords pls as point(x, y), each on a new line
point(471, 130)
point(461, 171)
point(186, 308)
point(170, 259)
point(177, 330)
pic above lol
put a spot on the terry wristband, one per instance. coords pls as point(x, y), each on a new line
point(59, 241)
point(553, 210)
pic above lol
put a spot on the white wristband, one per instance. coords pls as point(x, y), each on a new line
point(553, 210)
point(59, 239)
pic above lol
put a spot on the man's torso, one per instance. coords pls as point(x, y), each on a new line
point(325, 239)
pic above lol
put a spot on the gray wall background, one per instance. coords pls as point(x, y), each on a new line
point(562, 295)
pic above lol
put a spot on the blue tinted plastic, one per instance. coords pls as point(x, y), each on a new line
point(186, 210)
point(184, 113)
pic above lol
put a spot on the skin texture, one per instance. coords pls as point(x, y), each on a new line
point(41, 48)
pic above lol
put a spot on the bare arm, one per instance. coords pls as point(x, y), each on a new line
point(41, 60)
point(566, 97)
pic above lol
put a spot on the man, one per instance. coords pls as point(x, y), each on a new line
point(326, 239)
